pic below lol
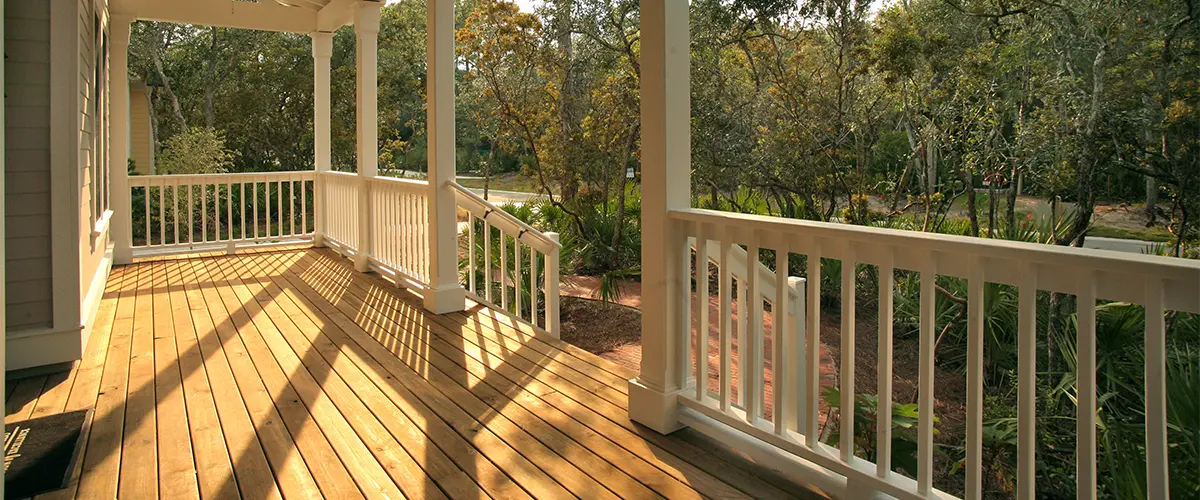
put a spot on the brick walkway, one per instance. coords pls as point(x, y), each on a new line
point(630, 355)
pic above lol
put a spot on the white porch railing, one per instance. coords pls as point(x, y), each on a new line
point(509, 282)
point(181, 213)
point(791, 425)
point(400, 239)
point(340, 208)
point(188, 213)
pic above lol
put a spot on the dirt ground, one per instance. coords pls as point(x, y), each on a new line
point(613, 331)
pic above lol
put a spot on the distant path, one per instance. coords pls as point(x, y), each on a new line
point(499, 197)
point(1118, 244)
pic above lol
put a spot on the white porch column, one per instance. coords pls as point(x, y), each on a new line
point(445, 294)
point(322, 50)
point(666, 185)
point(366, 29)
point(122, 222)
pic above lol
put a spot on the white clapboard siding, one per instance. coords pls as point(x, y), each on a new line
point(27, 164)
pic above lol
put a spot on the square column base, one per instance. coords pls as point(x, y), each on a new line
point(122, 255)
point(446, 299)
point(654, 409)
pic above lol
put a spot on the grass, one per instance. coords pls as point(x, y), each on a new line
point(505, 182)
point(1147, 234)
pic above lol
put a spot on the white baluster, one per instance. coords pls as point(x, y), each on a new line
point(175, 210)
point(1085, 374)
point(812, 382)
point(503, 270)
point(780, 339)
point(925, 389)
point(162, 212)
point(883, 424)
point(487, 260)
point(797, 320)
point(702, 307)
point(149, 238)
point(975, 318)
point(1157, 476)
point(723, 291)
point(743, 345)
point(471, 255)
point(552, 292)
point(846, 412)
point(1027, 382)
point(533, 291)
point(517, 275)
point(754, 407)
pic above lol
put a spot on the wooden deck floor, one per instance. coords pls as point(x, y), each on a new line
point(287, 374)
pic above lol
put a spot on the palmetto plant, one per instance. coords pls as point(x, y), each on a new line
point(490, 273)
point(866, 443)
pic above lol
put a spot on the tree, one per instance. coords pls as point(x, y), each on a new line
point(196, 151)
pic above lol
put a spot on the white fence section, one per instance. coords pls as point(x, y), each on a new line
point(515, 268)
point(180, 213)
point(736, 396)
point(510, 265)
point(341, 198)
point(400, 239)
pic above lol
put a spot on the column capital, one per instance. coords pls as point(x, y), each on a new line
point(120, 27)
point(322, 44)
point(366, 18)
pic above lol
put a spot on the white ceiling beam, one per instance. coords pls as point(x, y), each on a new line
point(313, 5)
point(336, 14)
point(265, 15)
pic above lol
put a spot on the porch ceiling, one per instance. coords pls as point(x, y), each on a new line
point(300, 16)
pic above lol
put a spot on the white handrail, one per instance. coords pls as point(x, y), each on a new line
point(1158, 283)
point(737, 268)
point(183, 213)
point(1117, 269)
point(482, 208)
point(507, 279)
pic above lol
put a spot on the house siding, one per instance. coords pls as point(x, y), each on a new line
point(93, 153)
point(28, 287)
point(140, 145)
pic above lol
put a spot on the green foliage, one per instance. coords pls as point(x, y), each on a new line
point(866, 418)
point(195, 151)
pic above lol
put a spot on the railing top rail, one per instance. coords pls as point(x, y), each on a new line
point(408, 184)
point(483, 209)
point(140, 180)
point(984, 247)
point(339, 173)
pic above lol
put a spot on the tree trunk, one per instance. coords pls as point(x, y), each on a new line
point(992, 202)
point(972, 214)
point(1151, 201)
point(210, 83)
point(1086, 170)
point(156, 58)
point(487, 169)
point(620, 217)
point(1010, 211)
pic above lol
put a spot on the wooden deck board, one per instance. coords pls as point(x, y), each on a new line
point(287, 374)
point(552, 387)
